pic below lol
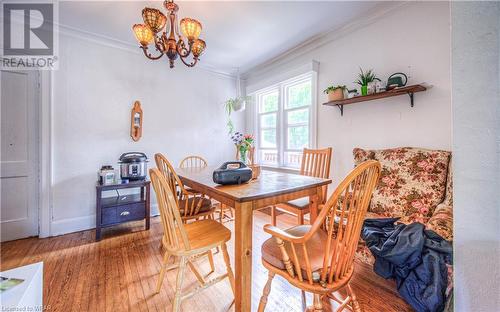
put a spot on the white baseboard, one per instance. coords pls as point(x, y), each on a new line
point(66, 226)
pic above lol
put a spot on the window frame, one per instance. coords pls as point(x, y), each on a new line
point(282, 124)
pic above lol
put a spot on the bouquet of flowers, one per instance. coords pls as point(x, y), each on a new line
point(243, 144)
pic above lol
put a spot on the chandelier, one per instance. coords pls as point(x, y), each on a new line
point(167, 40)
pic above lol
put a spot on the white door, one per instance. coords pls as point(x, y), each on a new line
point(19, 154)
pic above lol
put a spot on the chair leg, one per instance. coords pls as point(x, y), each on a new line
point(163, 242)
point(304, 302)
point(230, 274)
point(211, 261)
point(178, 285)
point(166, 257)
point(300, 218)
point(273, 215)
point(354, 300)
point(318, 305)
point(265, 293)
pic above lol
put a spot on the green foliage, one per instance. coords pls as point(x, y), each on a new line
point(298, 137)
point(297, 116)
point(229, 107)
point(364, 78)
point(299, 95)
point(332, 88)
point(270, 102)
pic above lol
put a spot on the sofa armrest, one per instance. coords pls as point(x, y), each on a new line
point(441, 221)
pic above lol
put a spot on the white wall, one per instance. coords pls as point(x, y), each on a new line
point(93, 93)
point(416, 35)
point(476, 150)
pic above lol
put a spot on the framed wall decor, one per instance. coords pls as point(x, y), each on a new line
point(136, 122)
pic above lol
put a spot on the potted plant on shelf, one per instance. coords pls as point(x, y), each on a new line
point(364, 78)
point(335, 93)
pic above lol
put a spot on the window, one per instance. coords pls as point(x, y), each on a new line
point(284, 121)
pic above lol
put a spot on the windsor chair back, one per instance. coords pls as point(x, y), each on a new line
point(318, 258)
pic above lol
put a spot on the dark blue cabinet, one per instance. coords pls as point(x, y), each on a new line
point(122, 208)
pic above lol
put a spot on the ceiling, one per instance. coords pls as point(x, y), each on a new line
point(239, 34)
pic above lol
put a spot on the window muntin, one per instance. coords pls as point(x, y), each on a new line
point(284, 121)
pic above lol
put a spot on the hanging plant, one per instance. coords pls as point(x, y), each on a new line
point(234, 105)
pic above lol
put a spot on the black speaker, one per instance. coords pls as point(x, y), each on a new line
point(232, 175)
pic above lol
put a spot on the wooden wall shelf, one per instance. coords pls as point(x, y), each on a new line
point(409, 90)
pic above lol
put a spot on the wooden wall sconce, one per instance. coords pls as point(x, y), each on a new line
point(136, 122)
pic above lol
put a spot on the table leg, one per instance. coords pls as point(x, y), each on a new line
point(243, 256)
point(313, 203)
point(148, 205)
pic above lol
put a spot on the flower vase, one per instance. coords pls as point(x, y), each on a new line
point(243, 155)
point(364, 90)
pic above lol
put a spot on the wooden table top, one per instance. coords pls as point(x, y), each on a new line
point(269, 183)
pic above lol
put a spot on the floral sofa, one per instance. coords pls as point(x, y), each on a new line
point(415, 185)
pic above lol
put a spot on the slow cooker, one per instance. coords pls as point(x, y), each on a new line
point(133, 166)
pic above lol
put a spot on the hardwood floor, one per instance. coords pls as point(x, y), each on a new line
point(119, 273)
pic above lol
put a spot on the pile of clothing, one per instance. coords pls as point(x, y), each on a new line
point(415, 257)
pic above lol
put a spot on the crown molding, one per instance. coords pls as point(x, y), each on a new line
point(319, 40)
point(127, 46)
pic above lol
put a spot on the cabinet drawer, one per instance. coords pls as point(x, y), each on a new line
point(108, 216)
point(131, 212)
point(119, 214)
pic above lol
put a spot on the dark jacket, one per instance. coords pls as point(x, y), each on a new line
point(412, 255)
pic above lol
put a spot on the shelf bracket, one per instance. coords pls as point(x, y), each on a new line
point(410, 94)
point(341, 107)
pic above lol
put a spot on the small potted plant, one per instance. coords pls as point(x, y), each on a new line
point(335, 93)
point(364, 78)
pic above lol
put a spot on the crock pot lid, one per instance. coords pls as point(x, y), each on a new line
point(133, 157)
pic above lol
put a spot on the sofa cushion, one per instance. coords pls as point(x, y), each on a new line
point(441, 221)
point(361, 155)
point(412, 182)
point(363, 253)
point(448, 200)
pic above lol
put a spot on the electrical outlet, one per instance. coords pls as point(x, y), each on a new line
point(409, 73)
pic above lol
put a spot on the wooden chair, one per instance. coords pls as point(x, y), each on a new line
point(200, 162)
point(319, 258)
point(315, 163)
point(193, 161)
point(192, 205)
point(187, 241)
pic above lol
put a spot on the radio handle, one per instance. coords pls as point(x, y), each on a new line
point(234, 162)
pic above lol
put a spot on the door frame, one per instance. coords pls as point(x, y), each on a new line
point(45, 78)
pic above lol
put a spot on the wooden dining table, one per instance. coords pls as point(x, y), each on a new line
point(268, 189)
